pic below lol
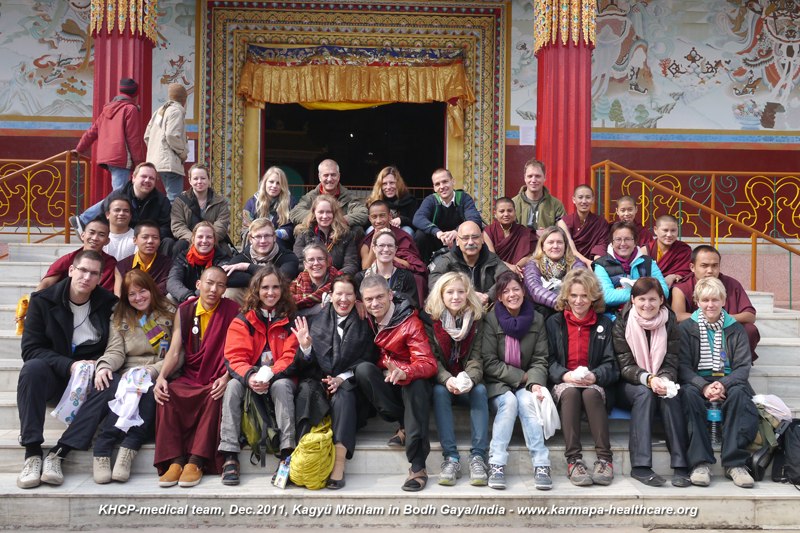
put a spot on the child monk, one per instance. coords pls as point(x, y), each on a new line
point(587, 232)
point(512, 242)
point(672, 256)
point(627, 211)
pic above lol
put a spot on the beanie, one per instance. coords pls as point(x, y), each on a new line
point(128, 86)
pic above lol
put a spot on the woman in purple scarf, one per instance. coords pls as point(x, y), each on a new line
point(514, 349)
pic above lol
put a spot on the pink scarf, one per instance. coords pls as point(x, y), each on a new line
point(649, 358)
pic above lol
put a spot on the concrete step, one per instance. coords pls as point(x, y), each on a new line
point(26, 271)
point(8, 314)
point(783, 381)
point(45, 252)
point(778, 351)
point(762, 301)
point(10, 291)
point(373, 502)
point(781, 323)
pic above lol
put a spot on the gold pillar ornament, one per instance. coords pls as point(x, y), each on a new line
point(571, 19)
point(139, 16)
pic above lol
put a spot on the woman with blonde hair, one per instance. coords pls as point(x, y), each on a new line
point(455, 330)
point(326, 225)
point(545, 271)
point(391, 188)
point(582, 367)
point(186, 268)
point(272, 200)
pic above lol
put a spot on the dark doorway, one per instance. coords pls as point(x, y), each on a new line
point(409, 136)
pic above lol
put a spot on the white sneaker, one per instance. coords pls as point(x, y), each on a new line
point(101, 470)
point(31, 474)
point(122, 466)
point(51, 470)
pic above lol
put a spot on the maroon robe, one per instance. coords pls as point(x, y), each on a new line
point(737, 302)
point(591, 238)
point(645, 235)
point(406, 250)
point(521, 241)
point(676, 260)
point(188, 424)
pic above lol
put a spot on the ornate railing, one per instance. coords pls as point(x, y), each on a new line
point(710, 206)
point(38, 197)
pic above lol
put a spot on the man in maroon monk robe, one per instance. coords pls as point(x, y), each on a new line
point(705, 264)
point(512, 242)
point(672, 256)
point(627, 211)
point(189, 407)
point(587, 232)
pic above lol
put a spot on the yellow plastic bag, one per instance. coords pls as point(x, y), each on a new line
point(22, 310)
point(312, 460)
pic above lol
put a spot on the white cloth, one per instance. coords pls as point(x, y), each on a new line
point(580, 373)
point(75, 393)
point(672, 388)
point(773, 405)
point(125, 404)
point(545, 410)
point(463, 382)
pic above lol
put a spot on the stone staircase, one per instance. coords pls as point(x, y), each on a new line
point(372, 497)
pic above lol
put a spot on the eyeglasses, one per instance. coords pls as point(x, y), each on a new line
point(87, 272)
point(467, 238)
point(385, 246)
point(316, 259)
point(263, 237)
point(620, 240)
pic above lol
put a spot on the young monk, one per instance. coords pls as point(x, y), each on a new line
point(672, 256)
point(587, 232)
point(627, 211)
point(512, 242)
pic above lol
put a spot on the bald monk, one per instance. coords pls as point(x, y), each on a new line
point(512, 242)
point(672, 256)
point(587, 232)
point(627, 211)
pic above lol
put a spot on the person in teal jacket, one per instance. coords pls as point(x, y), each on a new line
point(622, 266)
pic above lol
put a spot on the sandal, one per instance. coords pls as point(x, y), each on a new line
point(399, 438)
point(651, 479)
point(230, 472)
point(416, 481)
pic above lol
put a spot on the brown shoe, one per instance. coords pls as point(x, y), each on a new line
point(192, 474)
point(171, 476)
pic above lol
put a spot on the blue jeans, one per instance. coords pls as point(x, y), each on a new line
point(173, 184)
point(443, 401)
point(507, 406)
point(119, 177)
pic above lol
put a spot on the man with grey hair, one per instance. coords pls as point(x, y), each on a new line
point(354, 209)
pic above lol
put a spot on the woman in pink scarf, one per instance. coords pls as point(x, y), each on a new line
point(647, 343)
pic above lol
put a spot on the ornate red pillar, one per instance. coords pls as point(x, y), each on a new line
point(564, 35)
point(124, 32)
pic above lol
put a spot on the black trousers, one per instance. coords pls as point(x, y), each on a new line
point(409, 404)
point(37, 386)
point(644, 404)
point(136, 436)
point(426, 244)
point(739, 425)
point(80, 432)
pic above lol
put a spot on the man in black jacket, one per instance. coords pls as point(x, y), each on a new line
point(66, 325)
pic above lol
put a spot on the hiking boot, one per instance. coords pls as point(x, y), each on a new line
point(578, 474)
point(51, 470)
point(477, 471)
point(497, 477)
point(541, 478)
point(101, 470)
point(603, 472)
point(451, 470)
point(399, 438)
point(701, 475)
point(31, 474)
point(740, 476)
point(122, 466)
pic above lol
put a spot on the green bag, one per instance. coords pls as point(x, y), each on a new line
point(259, 427)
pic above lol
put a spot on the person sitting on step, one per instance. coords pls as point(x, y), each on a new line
point(627, 212)
point(586, 231)
point(200, 202)
point(326, 224)
point(94, 237)
point(672, 256)
point(147, 239)
point(189, 265)
point(512, 242)
point(120, 235)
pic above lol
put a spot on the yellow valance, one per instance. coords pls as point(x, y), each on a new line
point(571, 19)
point(329, 77)
point(137, 15)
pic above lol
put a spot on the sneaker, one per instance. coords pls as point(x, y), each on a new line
point(51, 470)
point(399, 438)
point(451, 470)
point(171, 476)
point(541, 478)
point(191, 476)
point(478, 477)
point(740, 476)
point(701, 475)
point(603, 472)
point(122, 466)
point(497, 477)
point(75, 222)
point(31, 474)
point(578, 474)
point(101, 470)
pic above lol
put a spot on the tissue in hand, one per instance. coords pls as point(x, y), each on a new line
point(463, 382)
point(264, 374)
point(672, 388)
point(580, 372)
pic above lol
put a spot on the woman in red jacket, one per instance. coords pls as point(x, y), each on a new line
point(260, 336)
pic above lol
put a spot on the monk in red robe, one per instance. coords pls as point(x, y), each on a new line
point(189, 407)
point(512, 242)
point(587, 232)
point(672, 256)
point(627, 211)
point(705, 264)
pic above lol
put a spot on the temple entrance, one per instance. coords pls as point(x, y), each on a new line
point(408, 136)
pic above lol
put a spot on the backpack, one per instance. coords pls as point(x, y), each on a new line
point(312, 460)
point(765, 443)
point(786, 468)
point(259, 427)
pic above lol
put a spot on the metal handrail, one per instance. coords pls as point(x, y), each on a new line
point(715, 215)
point(68, 157)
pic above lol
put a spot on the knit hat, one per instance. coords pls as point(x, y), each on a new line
point(177, 93)
point(128, 86)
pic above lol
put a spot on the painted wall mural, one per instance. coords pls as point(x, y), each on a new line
point(523, 72)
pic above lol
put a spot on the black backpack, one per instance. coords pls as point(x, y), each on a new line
point(786, 465)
